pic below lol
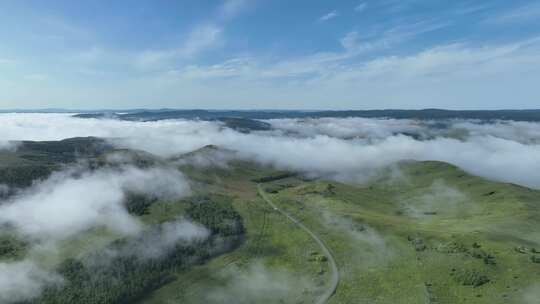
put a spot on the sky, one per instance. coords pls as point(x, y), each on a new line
point(270, 54)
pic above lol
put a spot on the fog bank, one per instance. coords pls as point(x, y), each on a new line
point(342, 148)
point(67, 204)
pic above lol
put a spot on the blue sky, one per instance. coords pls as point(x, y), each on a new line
point(303, 54)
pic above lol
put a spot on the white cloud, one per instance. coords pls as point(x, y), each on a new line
point(347, 127)
point(258, 283)
point(231, 8)
point(451, 69)
point(312, 66)
point(524, 13)
point(531, 294)
point(4, 190)
point(75, 200)
point(349, 149)
point(7, 62)
point(456, 76)
point(66, 204)
point(156, 243)
point(23, 280)
point(361, 7)
point(350, 41)
point(153, 59)
point(344, 149)
point(330, 15)
point(8, 145)
point(447, 76)
point(91, 55)
point(36, 77)
point(520, 131)
point(472, 8)
point(170, 76)
point(61, 28)
point(439, 198)
point(203, 37)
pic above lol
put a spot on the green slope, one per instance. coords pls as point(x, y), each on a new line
point(420, 232)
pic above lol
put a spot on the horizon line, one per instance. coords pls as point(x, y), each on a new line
point(96, 110)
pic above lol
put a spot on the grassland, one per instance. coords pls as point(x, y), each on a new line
point(422, 232)
point(419, 232)
point(468, 240)
point(278, 263)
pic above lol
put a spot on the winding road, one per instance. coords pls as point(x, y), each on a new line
point(325, 297)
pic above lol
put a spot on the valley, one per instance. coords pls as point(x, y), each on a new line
point(417, 232)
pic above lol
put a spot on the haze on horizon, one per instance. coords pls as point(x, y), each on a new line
point(261, 54)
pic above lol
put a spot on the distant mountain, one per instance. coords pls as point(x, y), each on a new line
point(226, 115)
point(97, 115)
point(245, 125)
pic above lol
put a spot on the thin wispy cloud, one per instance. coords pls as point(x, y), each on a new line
point(36, 77)
point(204, 36)
point(394, 6)
point(231, 8)
point(429, 72)
point(63, 28)
point(472, 9)
point(329, 16)
point(525, 13)
point(437, 60)
point(361, 7)
point(6, 61)
point(230, 43)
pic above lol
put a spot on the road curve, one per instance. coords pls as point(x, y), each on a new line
point(325, 297)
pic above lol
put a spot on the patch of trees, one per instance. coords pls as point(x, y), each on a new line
point(76, 145)
point(217, 214)
point(121, 274)
point(63, 151)
point(139, 204)
point(103, 278)
point(120, 157)
point(474, 251)
point(274, 177)
point(11, 247)
point(23, 176)
point(40, 159)
point(470, 277)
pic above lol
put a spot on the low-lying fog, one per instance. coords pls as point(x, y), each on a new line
point(346, 149)
point(75, 200)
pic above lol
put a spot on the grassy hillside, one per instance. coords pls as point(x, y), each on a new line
point(420, 232)
point(423, 232)
point(430, 233)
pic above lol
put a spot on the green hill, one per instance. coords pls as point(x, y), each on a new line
point(418, 232)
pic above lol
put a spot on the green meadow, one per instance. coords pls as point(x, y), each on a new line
point(416, 232)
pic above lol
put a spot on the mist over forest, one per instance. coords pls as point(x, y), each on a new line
point(86, 199)
point(270, 152)
point(342, 147)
